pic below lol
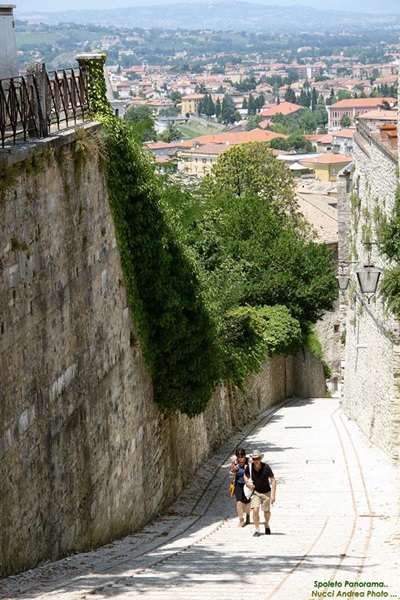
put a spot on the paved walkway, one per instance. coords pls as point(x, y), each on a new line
point(334, 527)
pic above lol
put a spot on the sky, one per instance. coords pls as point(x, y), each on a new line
point(366, 6)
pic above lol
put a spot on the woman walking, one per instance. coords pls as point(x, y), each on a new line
point(237, 468)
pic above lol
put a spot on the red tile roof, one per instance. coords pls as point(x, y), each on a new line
point(240, 137)
point(193, 97)
point(328, 158)
point(361, 102)
point(381, 115)
point(208, 149)
point(346, 132)
point(159, 145)
point(284, 108)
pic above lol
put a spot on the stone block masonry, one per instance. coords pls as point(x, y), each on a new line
point(85, 454)
point(371, 367)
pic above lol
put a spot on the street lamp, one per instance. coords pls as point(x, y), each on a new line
point(343, 278)
point(368, 276)
point(368, 279)
point(343, 281)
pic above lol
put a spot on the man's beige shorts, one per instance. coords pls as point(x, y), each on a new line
point(263, 500)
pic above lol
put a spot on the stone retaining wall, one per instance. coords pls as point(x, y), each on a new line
point(81, 440)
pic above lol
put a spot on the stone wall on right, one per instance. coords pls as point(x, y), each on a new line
point(369, 333)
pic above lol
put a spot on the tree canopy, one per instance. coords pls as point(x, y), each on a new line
point(295, 142)
point(245, 229)
point(142, 120)
point(255, 257)
point(252, 167)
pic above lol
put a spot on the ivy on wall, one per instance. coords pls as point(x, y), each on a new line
point(167, 299)
point(389, 241)
point(388, 238)
point(168, 302)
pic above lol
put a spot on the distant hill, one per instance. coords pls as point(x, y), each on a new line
point(221, 15)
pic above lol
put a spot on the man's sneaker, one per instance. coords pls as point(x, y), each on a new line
point(256, 534)
point(267, 531)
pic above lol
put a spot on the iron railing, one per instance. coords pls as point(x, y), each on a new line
point(35, 105)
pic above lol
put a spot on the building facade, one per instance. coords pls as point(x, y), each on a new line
point(8, 44)
point(190, 104)
point(370, 333)
point(353, 108)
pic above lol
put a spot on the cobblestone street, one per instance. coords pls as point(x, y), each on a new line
point(334, 526)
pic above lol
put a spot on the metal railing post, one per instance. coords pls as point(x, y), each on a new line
point(36, 76)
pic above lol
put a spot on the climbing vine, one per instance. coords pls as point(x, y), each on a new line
point(389, 239)
point(166, 297)
point(97, 88)
point(167, 300)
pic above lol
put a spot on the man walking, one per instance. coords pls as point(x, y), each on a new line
point(263, 484)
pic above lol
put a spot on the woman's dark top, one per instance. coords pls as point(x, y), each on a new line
point(240, 472)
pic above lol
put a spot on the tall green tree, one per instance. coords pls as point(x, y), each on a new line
point(253, 167)
point(142, 121)
point(176, 97)
point(251, 107)
point(268, 279)
point(253, 122)
point(259, 102)
point(345, 121)
point(256, 258)
point(290, 95)
point(342, 95)
point(314, 99)
point(228, 109)
point(218, 108)
point(171, 133)
point(210, 106)
point(294, 143)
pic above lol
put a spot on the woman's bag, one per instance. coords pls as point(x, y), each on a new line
point(232, 487)
point(247, 491)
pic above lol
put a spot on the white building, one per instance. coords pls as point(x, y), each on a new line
point(370, 332)
point(8, 44)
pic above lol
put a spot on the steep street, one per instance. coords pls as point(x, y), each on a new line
point(333, 526)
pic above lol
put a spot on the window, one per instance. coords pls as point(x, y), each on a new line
point(349, 181)
point(358, 187)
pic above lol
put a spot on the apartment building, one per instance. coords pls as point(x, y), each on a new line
point(353, 108)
